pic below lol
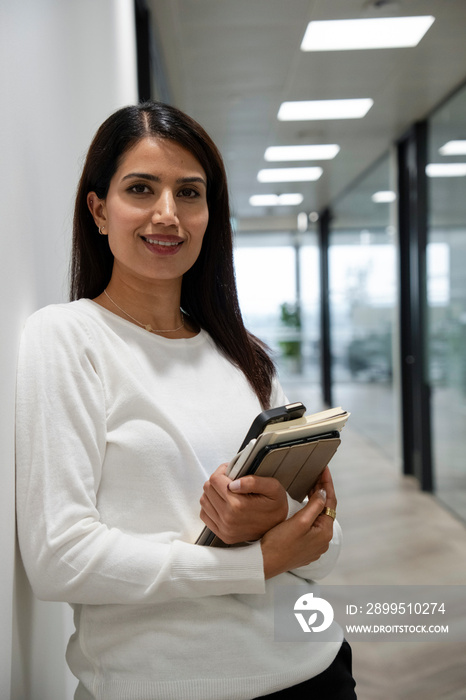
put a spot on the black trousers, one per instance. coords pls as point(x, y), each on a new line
point(335, 683)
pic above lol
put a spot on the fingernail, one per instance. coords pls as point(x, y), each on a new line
point(323, 495)
point(234, 485)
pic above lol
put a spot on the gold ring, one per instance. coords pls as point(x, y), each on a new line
point(331, 512)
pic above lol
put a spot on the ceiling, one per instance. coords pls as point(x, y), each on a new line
point(231, 63)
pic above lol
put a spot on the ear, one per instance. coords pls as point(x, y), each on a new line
point(98, 209)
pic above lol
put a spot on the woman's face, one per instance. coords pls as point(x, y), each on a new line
point(155, 213)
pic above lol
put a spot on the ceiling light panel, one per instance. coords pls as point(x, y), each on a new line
point(290, 199)
point(289, 174)
point(263, 200)
point(355, 34)
point(446, 170)
point(383, 196)
point(276, 200)
point(324, 109)
point(318, 152)
point(453, 148)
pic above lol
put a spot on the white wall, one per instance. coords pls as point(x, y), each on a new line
point(64, 66)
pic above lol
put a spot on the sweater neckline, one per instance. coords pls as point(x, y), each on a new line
point(109, 316)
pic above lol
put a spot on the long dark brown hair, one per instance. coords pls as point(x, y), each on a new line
point(208, 293)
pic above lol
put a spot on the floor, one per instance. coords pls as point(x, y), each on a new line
point(395, 534)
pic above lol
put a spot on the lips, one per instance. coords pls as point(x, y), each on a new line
point(163, 246)
point(157, 241)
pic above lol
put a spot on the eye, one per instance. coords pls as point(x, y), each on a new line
point(189, 193)
point(139, 188)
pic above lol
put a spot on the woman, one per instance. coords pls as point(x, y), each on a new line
point(128, 398)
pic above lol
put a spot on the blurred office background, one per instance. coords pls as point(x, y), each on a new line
point(352, 270)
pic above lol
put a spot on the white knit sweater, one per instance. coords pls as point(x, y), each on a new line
point(117, 430)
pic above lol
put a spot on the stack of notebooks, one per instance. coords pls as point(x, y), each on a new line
point(293, 450)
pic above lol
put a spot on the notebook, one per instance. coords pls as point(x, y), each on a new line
point(295, 452)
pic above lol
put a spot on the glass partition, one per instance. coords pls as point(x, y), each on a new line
point(446, 298)
point(278, 285)
point(363, 293)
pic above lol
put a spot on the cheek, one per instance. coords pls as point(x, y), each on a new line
point(122, 222)
point(201, 229)
point(201, 223)
point(122, 217)
point(194, 223)
point(197, 235)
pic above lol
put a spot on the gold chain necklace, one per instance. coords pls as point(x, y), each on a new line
point(148, 327)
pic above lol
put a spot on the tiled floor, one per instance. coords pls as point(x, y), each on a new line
point(395, 534)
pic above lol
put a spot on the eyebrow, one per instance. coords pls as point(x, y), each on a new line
point(156, 178)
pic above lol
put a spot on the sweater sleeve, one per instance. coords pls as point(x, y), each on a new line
point(69, 553)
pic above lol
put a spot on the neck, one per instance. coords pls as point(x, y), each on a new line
point(155, 307)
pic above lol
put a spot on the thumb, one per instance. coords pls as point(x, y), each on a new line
point(264, 485)
point(313, 508)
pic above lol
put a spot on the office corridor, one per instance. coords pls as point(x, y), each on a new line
point(396, 534)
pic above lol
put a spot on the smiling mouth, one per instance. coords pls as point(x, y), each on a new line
point(155, 242)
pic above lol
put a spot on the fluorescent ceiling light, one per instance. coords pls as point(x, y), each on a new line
point(290, 199)
point(380, 33)
point(446, 169)
point(453, 148)
point(276, 200)
point(318, 152)
point(324, 109)
point(289, 174)
point(383, 196)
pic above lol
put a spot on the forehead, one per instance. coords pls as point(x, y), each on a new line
point(157, 153)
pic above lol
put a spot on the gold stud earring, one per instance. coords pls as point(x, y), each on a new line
point(101, 230)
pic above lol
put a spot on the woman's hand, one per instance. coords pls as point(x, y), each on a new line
point(244, 509)
point(304, 537)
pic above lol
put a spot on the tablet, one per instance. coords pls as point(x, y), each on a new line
point(296, 453)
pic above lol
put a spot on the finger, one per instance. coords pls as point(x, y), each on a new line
point(218, 483)
point(326, 482)
point(211, 524)
point(263, 485)
point(209, 509)
point(329, 487)
point(222, 468)
point(215, 496)
point(306, 517)
point(219, 473)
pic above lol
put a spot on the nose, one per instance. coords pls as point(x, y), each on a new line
point(165, 210)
